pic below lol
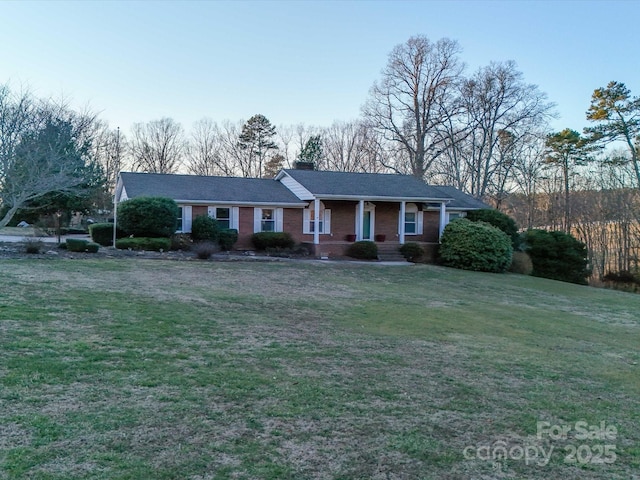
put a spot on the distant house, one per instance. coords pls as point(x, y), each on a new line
point(327, 210)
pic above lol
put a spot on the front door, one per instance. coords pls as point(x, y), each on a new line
point(366, 225)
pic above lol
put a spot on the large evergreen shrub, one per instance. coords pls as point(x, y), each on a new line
point(557, 255)
point(499, 220)
point(475, 246)
point(204, 228)
point(148, 216)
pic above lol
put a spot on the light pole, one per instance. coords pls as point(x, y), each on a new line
point(58, 215)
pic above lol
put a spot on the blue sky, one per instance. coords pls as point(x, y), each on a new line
point(298, 61)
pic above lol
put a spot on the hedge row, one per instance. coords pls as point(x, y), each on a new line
point(144, 243)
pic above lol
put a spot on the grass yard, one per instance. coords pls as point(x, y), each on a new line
point(148, 369)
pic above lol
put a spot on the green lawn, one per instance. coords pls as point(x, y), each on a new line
point(149, 369)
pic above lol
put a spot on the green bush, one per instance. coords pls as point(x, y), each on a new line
point(264, 240)
point(144, 243)
point(363, 250)
point(475, 246)
point(557, 255)
point(499, 220)
point(521, 263)
point(148, 216)
point(411, 251)
point(77, 245)
point(227, 238)
point(204, 228)
point(92, 247)
point(102, 233)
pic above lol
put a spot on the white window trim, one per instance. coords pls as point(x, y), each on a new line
point(186, 219)
point(325, 220)
point(234, 214)
point(257, 219)
point(413, 208)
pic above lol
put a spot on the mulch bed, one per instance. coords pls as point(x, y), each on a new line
point(10, 250)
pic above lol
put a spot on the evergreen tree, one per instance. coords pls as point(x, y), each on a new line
point(256, 139)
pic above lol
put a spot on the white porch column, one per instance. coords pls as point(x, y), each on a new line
point(360, 225)
point(443, 219)
point(403, 207)
point(316, 221)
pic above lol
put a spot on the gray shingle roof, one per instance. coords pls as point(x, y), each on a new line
point(365, 185)
point(461, 200)
point(207, 189)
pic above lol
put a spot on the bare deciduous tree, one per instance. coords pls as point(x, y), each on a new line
point(407, 106)
point(158, 146)
point(500, 110)
point(351, 147)
point(206, 153)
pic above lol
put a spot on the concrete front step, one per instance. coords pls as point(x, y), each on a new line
point(388, 252)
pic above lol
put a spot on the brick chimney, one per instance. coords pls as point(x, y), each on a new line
point(305, 166)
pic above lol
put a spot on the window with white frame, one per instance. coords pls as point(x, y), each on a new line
point(412, 220)
point(323, 222)
point(268, 220)
point(179, 225)
point(222, 216)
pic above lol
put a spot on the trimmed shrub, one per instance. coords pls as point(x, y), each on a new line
point(264, 240)
point(102, 233)
point(148, 217)
point(499, 220)
point(181, 241)
point(77, 244)
point(227, 238)
point(204, 228)
point(557, 255)
point(411, 251)
point(521, 263)
point(92, 247)
point(475, 246)
point(363, 250)
point(205, 249)
point(144, 243)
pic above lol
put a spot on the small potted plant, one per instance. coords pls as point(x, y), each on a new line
point(381, 237)
point(351, 237)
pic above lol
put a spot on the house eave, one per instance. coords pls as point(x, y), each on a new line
point(373, 198)
point(242, 204)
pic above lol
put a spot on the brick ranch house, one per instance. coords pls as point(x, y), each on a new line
point(327, 210)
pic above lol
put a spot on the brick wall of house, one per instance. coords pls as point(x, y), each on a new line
point(292, 223)
point(245, 229)
point(431, 227)
point(387, 220)
point(343, 219)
